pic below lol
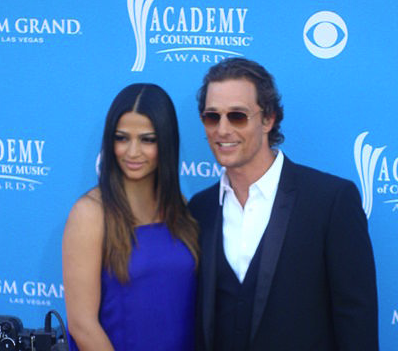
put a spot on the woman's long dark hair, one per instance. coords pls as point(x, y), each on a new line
point(153, 102)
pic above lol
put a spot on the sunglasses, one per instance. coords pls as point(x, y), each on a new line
point(235, 118)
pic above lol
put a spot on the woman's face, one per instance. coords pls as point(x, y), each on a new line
point(135, 147)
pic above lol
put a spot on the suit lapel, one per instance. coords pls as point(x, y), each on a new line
point(273, 241)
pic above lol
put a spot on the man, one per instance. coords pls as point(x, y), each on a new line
point(287, 264)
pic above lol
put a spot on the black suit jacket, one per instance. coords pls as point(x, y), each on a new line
point(316, 286)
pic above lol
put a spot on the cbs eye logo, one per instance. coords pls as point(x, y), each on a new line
point(325, 34)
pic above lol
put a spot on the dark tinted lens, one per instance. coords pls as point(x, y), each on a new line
point(210, 118)
point(237, 118)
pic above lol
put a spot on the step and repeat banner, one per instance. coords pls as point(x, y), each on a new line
point(61, 65)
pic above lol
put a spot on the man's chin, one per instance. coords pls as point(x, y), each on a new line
point(227, 162)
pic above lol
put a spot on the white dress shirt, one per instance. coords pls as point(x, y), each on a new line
point(243, 228)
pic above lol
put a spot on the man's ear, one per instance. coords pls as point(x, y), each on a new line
point(268, 122)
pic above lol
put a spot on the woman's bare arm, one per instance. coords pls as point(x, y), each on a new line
point(82, 264)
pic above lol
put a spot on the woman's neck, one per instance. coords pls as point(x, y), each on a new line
point(143, 201)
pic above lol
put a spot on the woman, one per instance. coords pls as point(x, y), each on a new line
point(130, 246)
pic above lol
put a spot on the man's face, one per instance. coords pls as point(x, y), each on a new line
point(243, 147)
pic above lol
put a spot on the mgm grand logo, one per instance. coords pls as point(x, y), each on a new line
point(34, 30)
point(30, 292)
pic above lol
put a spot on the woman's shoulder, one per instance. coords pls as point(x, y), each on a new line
point(94, 193)
point(87, 212)
point(83, 236)
point(89, 203)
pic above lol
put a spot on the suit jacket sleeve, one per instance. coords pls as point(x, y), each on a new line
point(351, 272)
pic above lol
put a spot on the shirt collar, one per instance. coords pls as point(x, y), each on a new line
point(267, 184)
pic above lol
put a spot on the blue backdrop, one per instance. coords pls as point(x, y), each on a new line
point(335, 63)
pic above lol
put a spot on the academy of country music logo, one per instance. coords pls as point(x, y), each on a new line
point(22, 164)
point(25, 30)
point(394, 317)
point(30, 292)
point(187, 34)
point(325, 34)
point(382, 175)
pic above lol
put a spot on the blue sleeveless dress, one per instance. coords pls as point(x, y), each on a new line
point(154, 311)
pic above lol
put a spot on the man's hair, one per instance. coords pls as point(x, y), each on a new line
point(268, 97)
